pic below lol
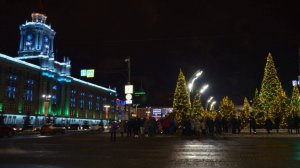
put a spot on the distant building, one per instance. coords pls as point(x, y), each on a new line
point(34, 84)
point(155, 112)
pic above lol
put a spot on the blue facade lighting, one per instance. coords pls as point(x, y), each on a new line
point(48, 74)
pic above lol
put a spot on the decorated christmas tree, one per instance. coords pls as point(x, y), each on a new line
point(181, 101)
point(281, 108)
point(226, 107)
point(295, 101)
point(245, 113)
point(198, 109)
point(270, 89)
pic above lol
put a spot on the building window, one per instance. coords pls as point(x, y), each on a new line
point(11, 89)
point(112, 105)
point(90, 102)
point(28, 90)
point(104, 103)
point(81, 101)
point(54, 92)
point(72, 100)
point(98, 103)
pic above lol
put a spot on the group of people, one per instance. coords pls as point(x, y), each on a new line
point(137, 127)
point(207, 126)
point(210, 126)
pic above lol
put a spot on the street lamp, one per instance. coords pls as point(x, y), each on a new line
point(46, 98)
point(204, 88)
point(212, 104)
point(208, 101)
point(195, 76)
point(106, 110)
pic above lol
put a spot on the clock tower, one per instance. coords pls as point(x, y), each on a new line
point(36, 38)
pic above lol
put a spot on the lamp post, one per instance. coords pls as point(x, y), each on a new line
point(202, 90)
point(195, 76)
point(208, 101)
point(212, 104)
point(46, 98)
point(106, 111)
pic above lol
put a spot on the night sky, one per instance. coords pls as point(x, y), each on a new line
point(228, 40)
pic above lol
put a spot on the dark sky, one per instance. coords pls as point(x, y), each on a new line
point(228, 40)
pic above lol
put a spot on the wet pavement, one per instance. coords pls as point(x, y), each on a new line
point(96, 150)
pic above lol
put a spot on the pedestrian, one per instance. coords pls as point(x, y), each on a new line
point(290, 124)
point(268, 125)
point(296, 123)
point(277, 123)
point(252, 123)
point(122, 128)
point(113, 131)
point(238, 124)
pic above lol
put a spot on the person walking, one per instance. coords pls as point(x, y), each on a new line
point(277, 123)
point(296, 123)
point(268, 124)
point(252, 123)
point(113, 131)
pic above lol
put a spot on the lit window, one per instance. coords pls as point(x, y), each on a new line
point(98, 103)
point(11, 89)
point(72, 100)
point(28, 90)
point(54, 98)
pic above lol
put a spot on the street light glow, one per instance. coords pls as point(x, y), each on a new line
point(107, 106)
point(212, 104)
point(210, 99)
point(204, 88)
point(196, 75)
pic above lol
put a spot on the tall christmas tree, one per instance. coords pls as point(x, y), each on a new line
point(198, 109)
point(281, 108)
point(270, 87)
point(226, 107)
point(295, 101)
point(245, 113)
point(181, 101)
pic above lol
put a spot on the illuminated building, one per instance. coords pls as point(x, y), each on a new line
point(35, 84)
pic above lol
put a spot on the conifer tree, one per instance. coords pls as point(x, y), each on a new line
point(295, 101)
point(198, 109)
point(245, 113)
point(226, 107)
point(281, 108)
point(270, 87)
point(181, 101)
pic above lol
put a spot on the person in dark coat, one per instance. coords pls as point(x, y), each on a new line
point(268, 125)
point(252, 123)
point(113, 131)
point(296, 123)
point(238, 124)
point(277, 123)
point(290, 124)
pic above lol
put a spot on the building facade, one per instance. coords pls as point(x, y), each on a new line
point(35, 85)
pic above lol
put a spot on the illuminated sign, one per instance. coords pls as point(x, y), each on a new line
point(89, 73)
point(140, 93)
point(83, 72)
point(128, 89)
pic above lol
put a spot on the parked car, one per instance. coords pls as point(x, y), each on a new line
point(28, 128)
point(86, 125)
point(97, 127)
point(17, 128)
point(6, 131)
point(52, 129)
point(74, 127)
